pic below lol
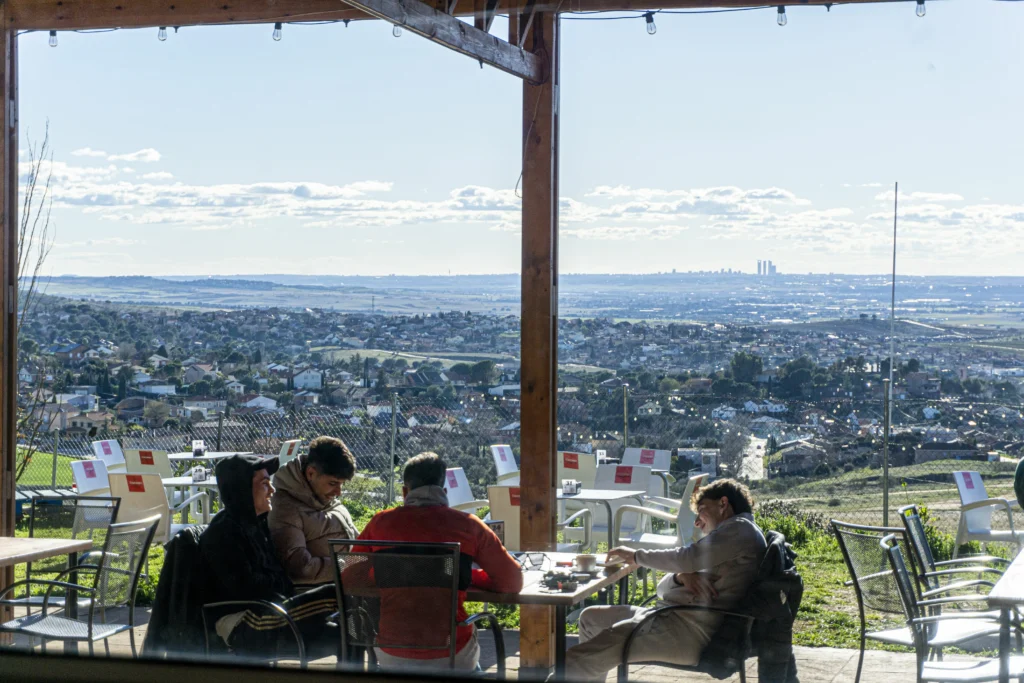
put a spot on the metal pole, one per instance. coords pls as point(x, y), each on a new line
point(892, 305)
point(625, 416)
point(886, 388)
point(56, 450)
point(391, 461)
point(220, 427)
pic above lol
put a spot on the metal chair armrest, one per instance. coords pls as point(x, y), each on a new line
point(943, 601)
point(51, 585)
point(957, 615)
point(959, 585)
point(587, 515)
point(965, 570)
point(499, 638)
point(965, 559)
point(266, 604)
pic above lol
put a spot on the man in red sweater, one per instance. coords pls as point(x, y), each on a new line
point(426, 518)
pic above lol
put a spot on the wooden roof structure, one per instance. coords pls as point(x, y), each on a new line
point(530, 52)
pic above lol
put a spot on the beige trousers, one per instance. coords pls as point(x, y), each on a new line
point(677, 638)
point(466, 659)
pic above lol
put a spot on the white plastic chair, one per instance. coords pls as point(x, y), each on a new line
point(504, 502)
point(619, 478)
point(90, 477)
point(656, 459)
point(579, 466)
point(147, 462)
point(142, 495)
point(976, 514)
point(460, 493)
point(686, 531)
point(505, 463)
point(111, 454)
point(289, 451)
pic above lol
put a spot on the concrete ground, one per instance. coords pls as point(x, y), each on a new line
point(815, 665)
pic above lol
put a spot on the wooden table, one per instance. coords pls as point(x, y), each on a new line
point(1007, 595)
point(605, 497)
point(21, 550)
point(535, 593)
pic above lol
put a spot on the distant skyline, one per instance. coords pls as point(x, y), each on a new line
point(718, 141)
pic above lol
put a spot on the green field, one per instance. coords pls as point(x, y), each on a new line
point(40, 471)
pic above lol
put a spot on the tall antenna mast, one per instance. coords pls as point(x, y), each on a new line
point(892, 306)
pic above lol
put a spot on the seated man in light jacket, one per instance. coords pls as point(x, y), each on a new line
point(307, 511)
point(716, 571)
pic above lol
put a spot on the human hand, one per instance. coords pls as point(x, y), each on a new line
point(621, 554)
point(699, 584)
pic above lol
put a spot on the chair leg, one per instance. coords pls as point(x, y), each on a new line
point(860, 658)
point(743, 672)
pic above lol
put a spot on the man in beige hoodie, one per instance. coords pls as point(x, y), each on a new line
point(716, 571)
point(307, 511)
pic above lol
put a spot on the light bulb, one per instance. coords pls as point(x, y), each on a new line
point(920, 8)
point(161, 33)
point(782, 16)
point(651, 28)
point(277, 31)
point(396, 31)
point(53, 39)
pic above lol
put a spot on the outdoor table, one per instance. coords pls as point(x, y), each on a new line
point(1006, 596)
point(535, 593)
point(21, 550)
point(209, 455)
point(606, 497)
point(186, 482)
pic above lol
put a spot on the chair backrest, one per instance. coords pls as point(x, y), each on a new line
point(68, 518)
point(110, 453)
point(90, 477)
point(656, 459)
point(579, 466)
point(920, 551)
point(147, 462)
point(289, 451)
point(972, 489)
point(505, 463)
point(377, 581)
point(124, 556)
point(890, 545)
point(621, 478)
point(504, 502)
point(456, 485)
point(873, 581)
point(685, 520)
point(142, 496)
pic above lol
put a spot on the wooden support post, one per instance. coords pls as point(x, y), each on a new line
point(9, 287)
point(539, 338)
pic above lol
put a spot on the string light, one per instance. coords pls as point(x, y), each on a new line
point(161, 33)
point(277, 31)
point(396, 31)
point(781, 18)
point(920, 8)
point(53, 39)
point(651, 28)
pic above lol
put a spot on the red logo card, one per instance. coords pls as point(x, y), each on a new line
point(146, 457)
point(135, 484)
point(501, 454)
point(90, 470)
point(453, 481)
point(513, 496)
point(623, 474)
point(571, 461)
point(105, 445)
point(291, 448)
point(968, 480)
point(646, 457)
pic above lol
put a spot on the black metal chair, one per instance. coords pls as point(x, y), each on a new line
point(213, 611)
point(115, 572)
point(368, 580)
point(876, 588)
point(64, 518)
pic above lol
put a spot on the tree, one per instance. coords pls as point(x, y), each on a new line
point(200, 388)
point(483, 372)
point(257, 357)
point(156, 412)
point(162, 351)
point(668, 385)
point(746, 367)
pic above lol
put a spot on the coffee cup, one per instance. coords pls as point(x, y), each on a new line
point(586, 563)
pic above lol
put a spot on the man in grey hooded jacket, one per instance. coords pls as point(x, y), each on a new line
point(307, 510)
point(715, 571)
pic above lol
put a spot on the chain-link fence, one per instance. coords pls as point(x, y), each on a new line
point(825, 456)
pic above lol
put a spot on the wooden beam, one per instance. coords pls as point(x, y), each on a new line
point(67, 15)
point(8, 289)
point(539, 336)
point(478, 14)
point(454, 34)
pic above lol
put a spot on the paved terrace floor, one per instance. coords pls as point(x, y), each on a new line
point(815, 665)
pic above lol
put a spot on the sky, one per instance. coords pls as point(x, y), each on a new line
point(720, 140)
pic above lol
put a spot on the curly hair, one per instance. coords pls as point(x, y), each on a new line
point(737, 493)
point(330, 456)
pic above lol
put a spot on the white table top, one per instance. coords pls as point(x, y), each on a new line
point(210, 482)
point(1009, 589)
point(600, 495)
point(210, 455)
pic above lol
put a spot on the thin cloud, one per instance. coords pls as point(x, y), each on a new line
point(157, 175)
point(146, 156)
point(88, 152)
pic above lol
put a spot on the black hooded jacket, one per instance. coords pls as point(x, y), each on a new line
point(236, 554)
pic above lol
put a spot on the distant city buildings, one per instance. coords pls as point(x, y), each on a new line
point(766, 268)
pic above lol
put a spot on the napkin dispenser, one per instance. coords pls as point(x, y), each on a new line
point(571, 487)
point(199, 473)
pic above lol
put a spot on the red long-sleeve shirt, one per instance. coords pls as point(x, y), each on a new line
point(498, 572)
